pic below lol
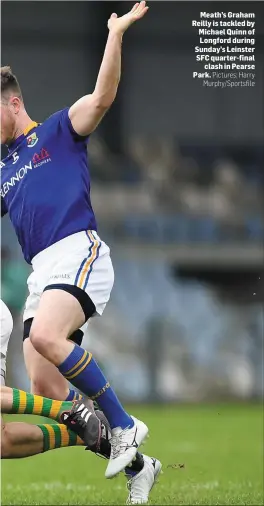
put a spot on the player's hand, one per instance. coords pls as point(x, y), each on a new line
point(120, 25)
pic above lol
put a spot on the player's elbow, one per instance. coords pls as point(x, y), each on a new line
point(102, 102)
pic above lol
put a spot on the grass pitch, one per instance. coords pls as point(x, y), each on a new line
point(219, 447)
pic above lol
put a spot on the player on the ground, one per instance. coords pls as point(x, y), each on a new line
point(46, 191)
point(20, 440)
point(23, 439)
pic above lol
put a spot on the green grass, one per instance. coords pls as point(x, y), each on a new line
point(220, 446)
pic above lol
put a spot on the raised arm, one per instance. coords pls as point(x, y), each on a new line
point(88, 111)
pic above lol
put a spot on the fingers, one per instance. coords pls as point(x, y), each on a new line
point(142, 13)
point(114, 15)
point(134, 7)
point(139, 10)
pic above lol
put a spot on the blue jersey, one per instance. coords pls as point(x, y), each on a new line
point(45, 184)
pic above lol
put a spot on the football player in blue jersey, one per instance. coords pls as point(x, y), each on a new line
point(45, 188)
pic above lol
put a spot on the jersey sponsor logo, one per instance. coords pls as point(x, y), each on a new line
point(2, 165)
point(37, 160)
point(20, 174)
point(32, 140)
point(40, 158)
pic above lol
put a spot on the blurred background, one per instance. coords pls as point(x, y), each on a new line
point(177, 187)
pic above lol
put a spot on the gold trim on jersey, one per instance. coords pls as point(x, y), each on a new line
point(31, 125)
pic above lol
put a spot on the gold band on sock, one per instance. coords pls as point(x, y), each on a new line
point(78, 363)
point(55, 408)
point(52, 439)
point(69, 438)
point(22, 402)
point(85, 360)
point(38, 405)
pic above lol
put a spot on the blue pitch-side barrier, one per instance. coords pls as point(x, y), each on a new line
point(181, 229)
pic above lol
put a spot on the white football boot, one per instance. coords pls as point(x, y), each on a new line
point(124, 446)
point(141, 484)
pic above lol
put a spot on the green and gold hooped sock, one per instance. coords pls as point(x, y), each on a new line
point(30, 404)
point(58, 436)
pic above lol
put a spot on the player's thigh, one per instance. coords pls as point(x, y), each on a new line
point(45, 378)
point(54, 312)
point(65, 307)
point(59, 314)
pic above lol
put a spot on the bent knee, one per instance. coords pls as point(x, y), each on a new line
point(42, 341)
point(46, 389)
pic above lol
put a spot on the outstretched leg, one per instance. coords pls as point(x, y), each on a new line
point(14, 401)
point(19, 440)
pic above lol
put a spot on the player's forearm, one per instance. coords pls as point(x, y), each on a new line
point(110, 71)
